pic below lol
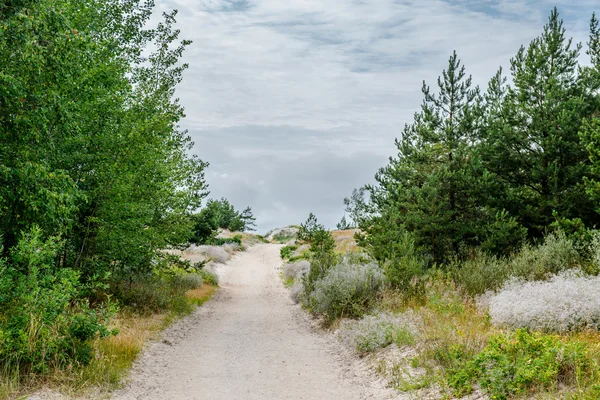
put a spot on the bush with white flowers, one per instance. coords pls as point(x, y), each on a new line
point(567, 301)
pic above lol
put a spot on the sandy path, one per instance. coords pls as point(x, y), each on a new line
point(249, 342)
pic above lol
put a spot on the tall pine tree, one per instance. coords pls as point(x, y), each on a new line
point(426, 189)
point(531, 144)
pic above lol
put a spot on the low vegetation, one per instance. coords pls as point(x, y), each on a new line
point(536, 334)
point(378, 331)
point(566, 302)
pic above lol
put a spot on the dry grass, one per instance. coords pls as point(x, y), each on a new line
point(344, 241)
point(200, 295)
point(447, 321)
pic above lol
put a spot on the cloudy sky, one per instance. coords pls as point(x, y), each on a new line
point(296, 102)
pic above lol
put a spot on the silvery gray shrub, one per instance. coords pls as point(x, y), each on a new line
point(295, 270)
point(231, 247)
point(214, 253)
point(377, 331)
point(347, 289)
point(190, 281)
point(567, 301)
point(298, 294)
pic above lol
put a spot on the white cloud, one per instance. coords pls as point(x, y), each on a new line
point(277, 80)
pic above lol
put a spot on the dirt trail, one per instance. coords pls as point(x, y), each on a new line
point(250, 342)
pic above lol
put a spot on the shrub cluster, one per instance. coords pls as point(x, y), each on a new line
point(237, 239)
point(379, 330)
point(44, 322)
point(152, 293)
point(485, 272)
point(213, 253)
point(346, 290)
point(220, 214)
point(568, 301)
point(287, 251)
point(520, 363)
point(295, 270)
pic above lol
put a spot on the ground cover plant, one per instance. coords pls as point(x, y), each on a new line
point(522, 363)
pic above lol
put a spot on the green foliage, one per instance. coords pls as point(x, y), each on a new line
point(485, 272)
point(283, 238)
point(96, 177)
point(503, 235)
point(152, 293)
point(89, 140)
point(44, 323)
point(309, 228)
point(287, 251)
point(493, 170)
point(356, 207)
point(208, 277)
point(172, 264)
point(219, 214)
point(262, 239)
point(520, 363)
point(404, 266)
point(344, 290)
point(247, 220)
point(343, 224)
point(322, 257)
point(396, 252)
point(541, 116)
point(237, 239)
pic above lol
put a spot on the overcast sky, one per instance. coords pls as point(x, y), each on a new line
point(296, 102)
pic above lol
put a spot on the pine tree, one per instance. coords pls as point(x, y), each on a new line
point(248, 219)
point(590, 130)
point(531, 145)
point(343, 224)
point(428, 184)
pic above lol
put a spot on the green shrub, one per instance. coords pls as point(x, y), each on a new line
point(209, 277)
point(322, 257)
point(172, 265)
point(481, 273)
point(522, 363)
point(303, 256)
point(187, 282)
point(283, 238)
point(557, 253)
point(287, 251)
point(44, 323)
point(484, 272)
point(152, 293)
point(262, 239)
point(404, 268)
